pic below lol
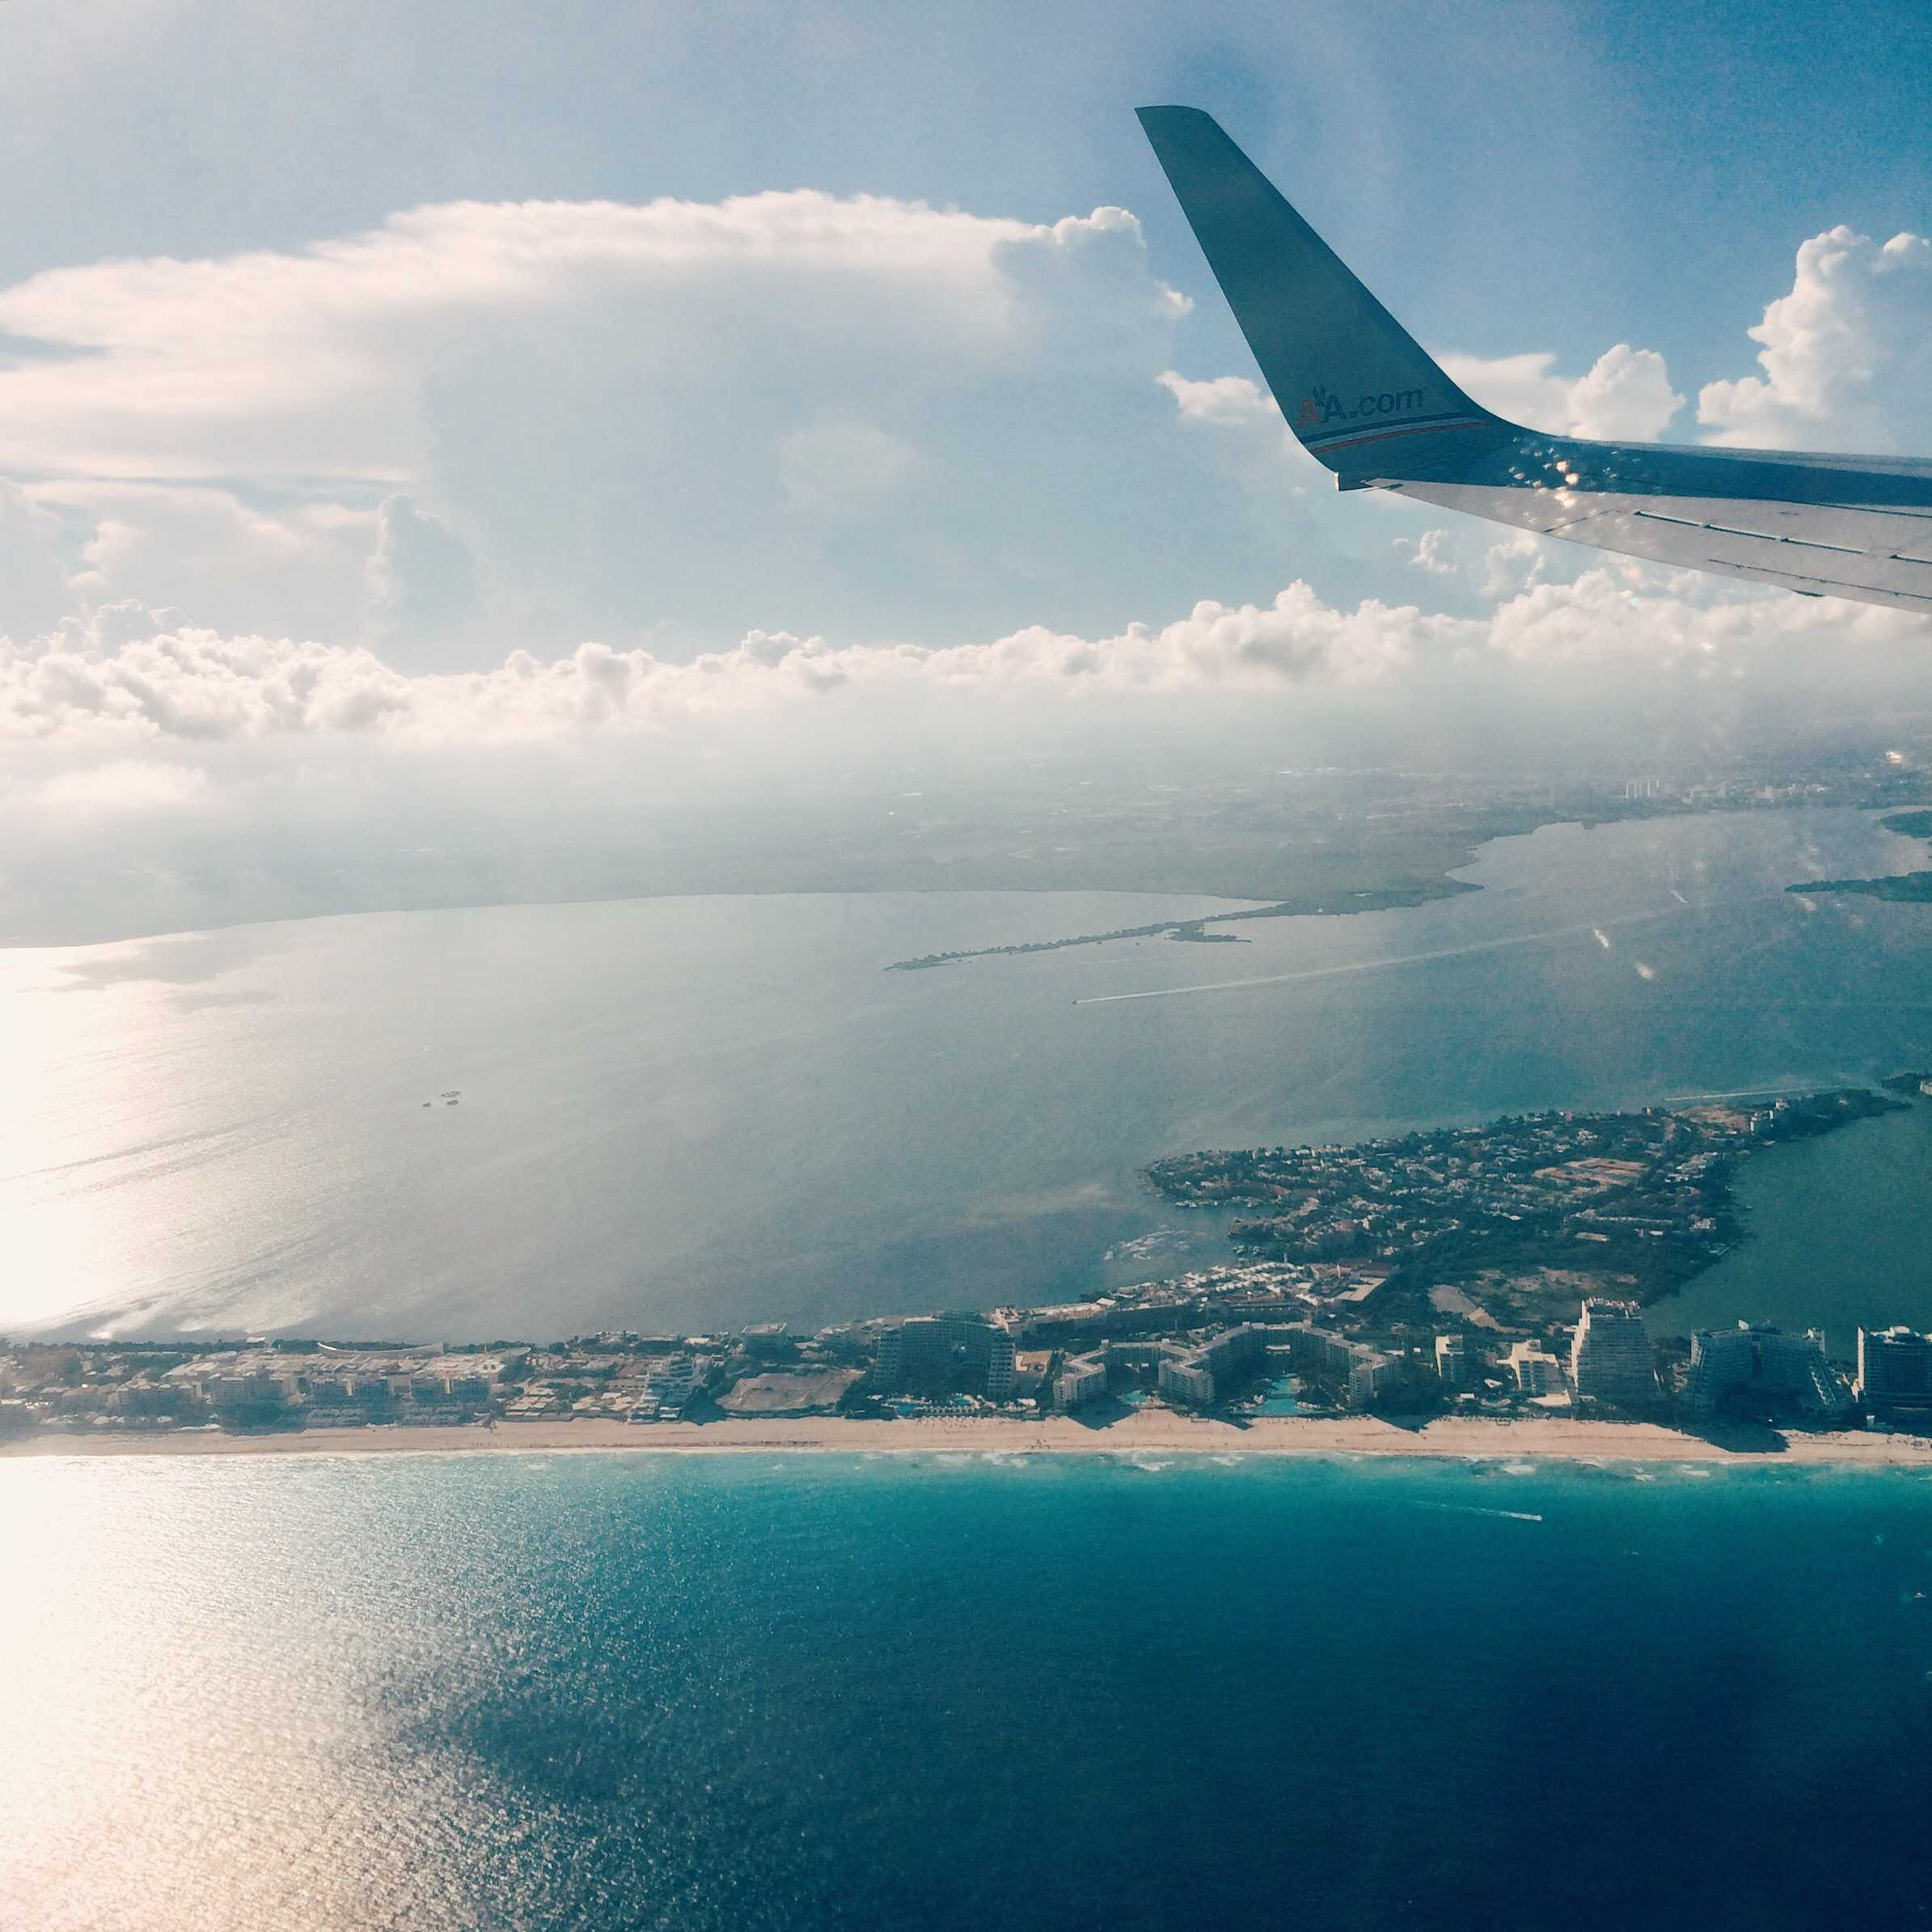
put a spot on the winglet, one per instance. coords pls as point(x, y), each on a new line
point(1352, 381)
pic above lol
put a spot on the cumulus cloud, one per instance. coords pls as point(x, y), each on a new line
point(481, 426)
point(1624, 396)
point(35, 590)
point(1225, 399)
point(132, 678)
point(316, 363)
point(1846, 355)
point(128, 678)
point(230, 557)
point(629, 413)
point(1514, 563)
point(1433, 551)
point(422, 580)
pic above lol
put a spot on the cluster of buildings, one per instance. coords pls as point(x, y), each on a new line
point(1195, 1374)
point(1653, 1185)
point(1199, 1344)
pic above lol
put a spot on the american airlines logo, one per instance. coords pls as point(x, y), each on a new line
point(1322, 406)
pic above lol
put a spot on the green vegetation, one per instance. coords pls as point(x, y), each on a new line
point(1642, 1198)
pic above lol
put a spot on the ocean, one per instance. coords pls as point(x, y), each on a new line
point(743, 1691)
point(677, 1113)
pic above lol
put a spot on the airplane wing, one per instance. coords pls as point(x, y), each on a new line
point(1363, 398)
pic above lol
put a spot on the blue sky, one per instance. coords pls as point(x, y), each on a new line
point(458, 373)
point(1555, 174)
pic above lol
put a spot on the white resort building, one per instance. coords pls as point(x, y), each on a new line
point(1610, 1360)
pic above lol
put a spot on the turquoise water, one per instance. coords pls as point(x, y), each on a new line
point(1280, 1399)
point(617, 1691)
point(680, 1112)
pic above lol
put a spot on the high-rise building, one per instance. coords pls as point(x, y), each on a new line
point(1895, 1371)
point(1452, 1361)
point(1610, 1359)
point(932, 1352)
point(1767, 1362)
point(999, 1370)
point(913, 1353)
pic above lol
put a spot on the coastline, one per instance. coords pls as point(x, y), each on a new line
point(1456, 1437)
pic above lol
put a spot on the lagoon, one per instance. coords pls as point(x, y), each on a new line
point(1840, 1238)
point(678, 1112)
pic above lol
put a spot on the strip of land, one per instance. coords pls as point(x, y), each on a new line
point(1195, 931)
point(1154, 1433)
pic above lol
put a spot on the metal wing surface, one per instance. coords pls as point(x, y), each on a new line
point(1364, 398)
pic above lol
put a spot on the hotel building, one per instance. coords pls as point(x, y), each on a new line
point(1610, 1360)
point(1895, 1372)
point(1764, 1361)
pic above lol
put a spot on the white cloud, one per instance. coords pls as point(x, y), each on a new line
point(1847, 355)
point(631, 414)
point(1433, 551)
point(123, 681)
point(1625, 395)
point(132, 678)
point(422, 582)
point(34, 589)
point(1513, 563)
point(315, 363)
point(209, 548)
point(118, 787)
point(1230, 400)
point(842, 469)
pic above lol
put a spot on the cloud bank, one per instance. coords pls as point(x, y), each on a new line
point(132, 677)
point(513, 421)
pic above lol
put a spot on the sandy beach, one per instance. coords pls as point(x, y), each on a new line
point(1162, 1433)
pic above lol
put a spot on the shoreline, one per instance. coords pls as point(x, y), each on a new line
point(1451, 1438)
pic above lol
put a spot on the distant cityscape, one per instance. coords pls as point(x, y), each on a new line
point(1499, 1270)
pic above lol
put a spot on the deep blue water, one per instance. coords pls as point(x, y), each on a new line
point(619, 1691)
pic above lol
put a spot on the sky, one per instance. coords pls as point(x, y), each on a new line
point(379, 383)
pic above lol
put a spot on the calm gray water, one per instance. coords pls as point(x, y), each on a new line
point(679, 1112)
